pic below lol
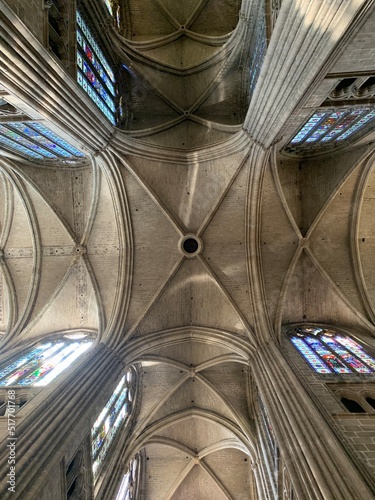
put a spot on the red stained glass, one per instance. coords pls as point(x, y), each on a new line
point(88, 52)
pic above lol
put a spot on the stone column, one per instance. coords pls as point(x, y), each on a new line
point(316, 461)
point(58, 419)
point(306, 39)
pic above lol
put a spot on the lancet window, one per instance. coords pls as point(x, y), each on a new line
point(42, 364)
point(94, 73)
point(113, 415)
point(32, 139)
point(129, 483)
point(328, 351)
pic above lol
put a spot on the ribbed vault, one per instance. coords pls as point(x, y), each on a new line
point(96, 247)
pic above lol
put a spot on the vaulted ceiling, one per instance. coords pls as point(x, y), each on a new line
point(97, 247)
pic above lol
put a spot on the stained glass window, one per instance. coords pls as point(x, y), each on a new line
point(32, 139)
point(94, 74)
point(259, 50)
point(327, 351)
point(115, 412)
point(128, 486)
point(333, 125)
point(42, 364)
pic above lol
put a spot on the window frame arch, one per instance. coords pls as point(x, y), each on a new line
point(356, 393)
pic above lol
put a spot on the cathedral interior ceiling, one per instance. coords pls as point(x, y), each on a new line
point(97, 247)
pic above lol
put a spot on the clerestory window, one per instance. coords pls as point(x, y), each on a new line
point(331, 127)
point(113, 415)
point(31, 139)
point(42, 364)
point(328, 351)
point(94, 73)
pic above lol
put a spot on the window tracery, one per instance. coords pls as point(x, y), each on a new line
point(94, 73)
point(328, 127)
point(328, 351)
point(42, 364)
point(33, 139)
point(113, 415)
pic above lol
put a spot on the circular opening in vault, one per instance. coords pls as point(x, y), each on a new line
point(190, 245)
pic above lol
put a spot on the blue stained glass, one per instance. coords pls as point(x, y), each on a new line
point(58, 140)
point(310, 356)
point(31, 365)
point(44, 141)
point(105, 410)
point(79, 19)
point(35, 131)
point(66, 360)
point(343, 124)
point(370, 116)
point(308, 127)
point(11, 134)
point(325, 125)
point(357, 350)
point(91, 78)
point(327, 356)
point(82, 81)
point(81, 23)
point(341, 354)
point(94, 75)
point(90, 54)
point(47, 366)
point(18, 148)
point(79, 61)
point(354, 363)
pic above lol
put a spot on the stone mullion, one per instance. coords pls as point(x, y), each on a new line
point(56, 419)
point(317, 463)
